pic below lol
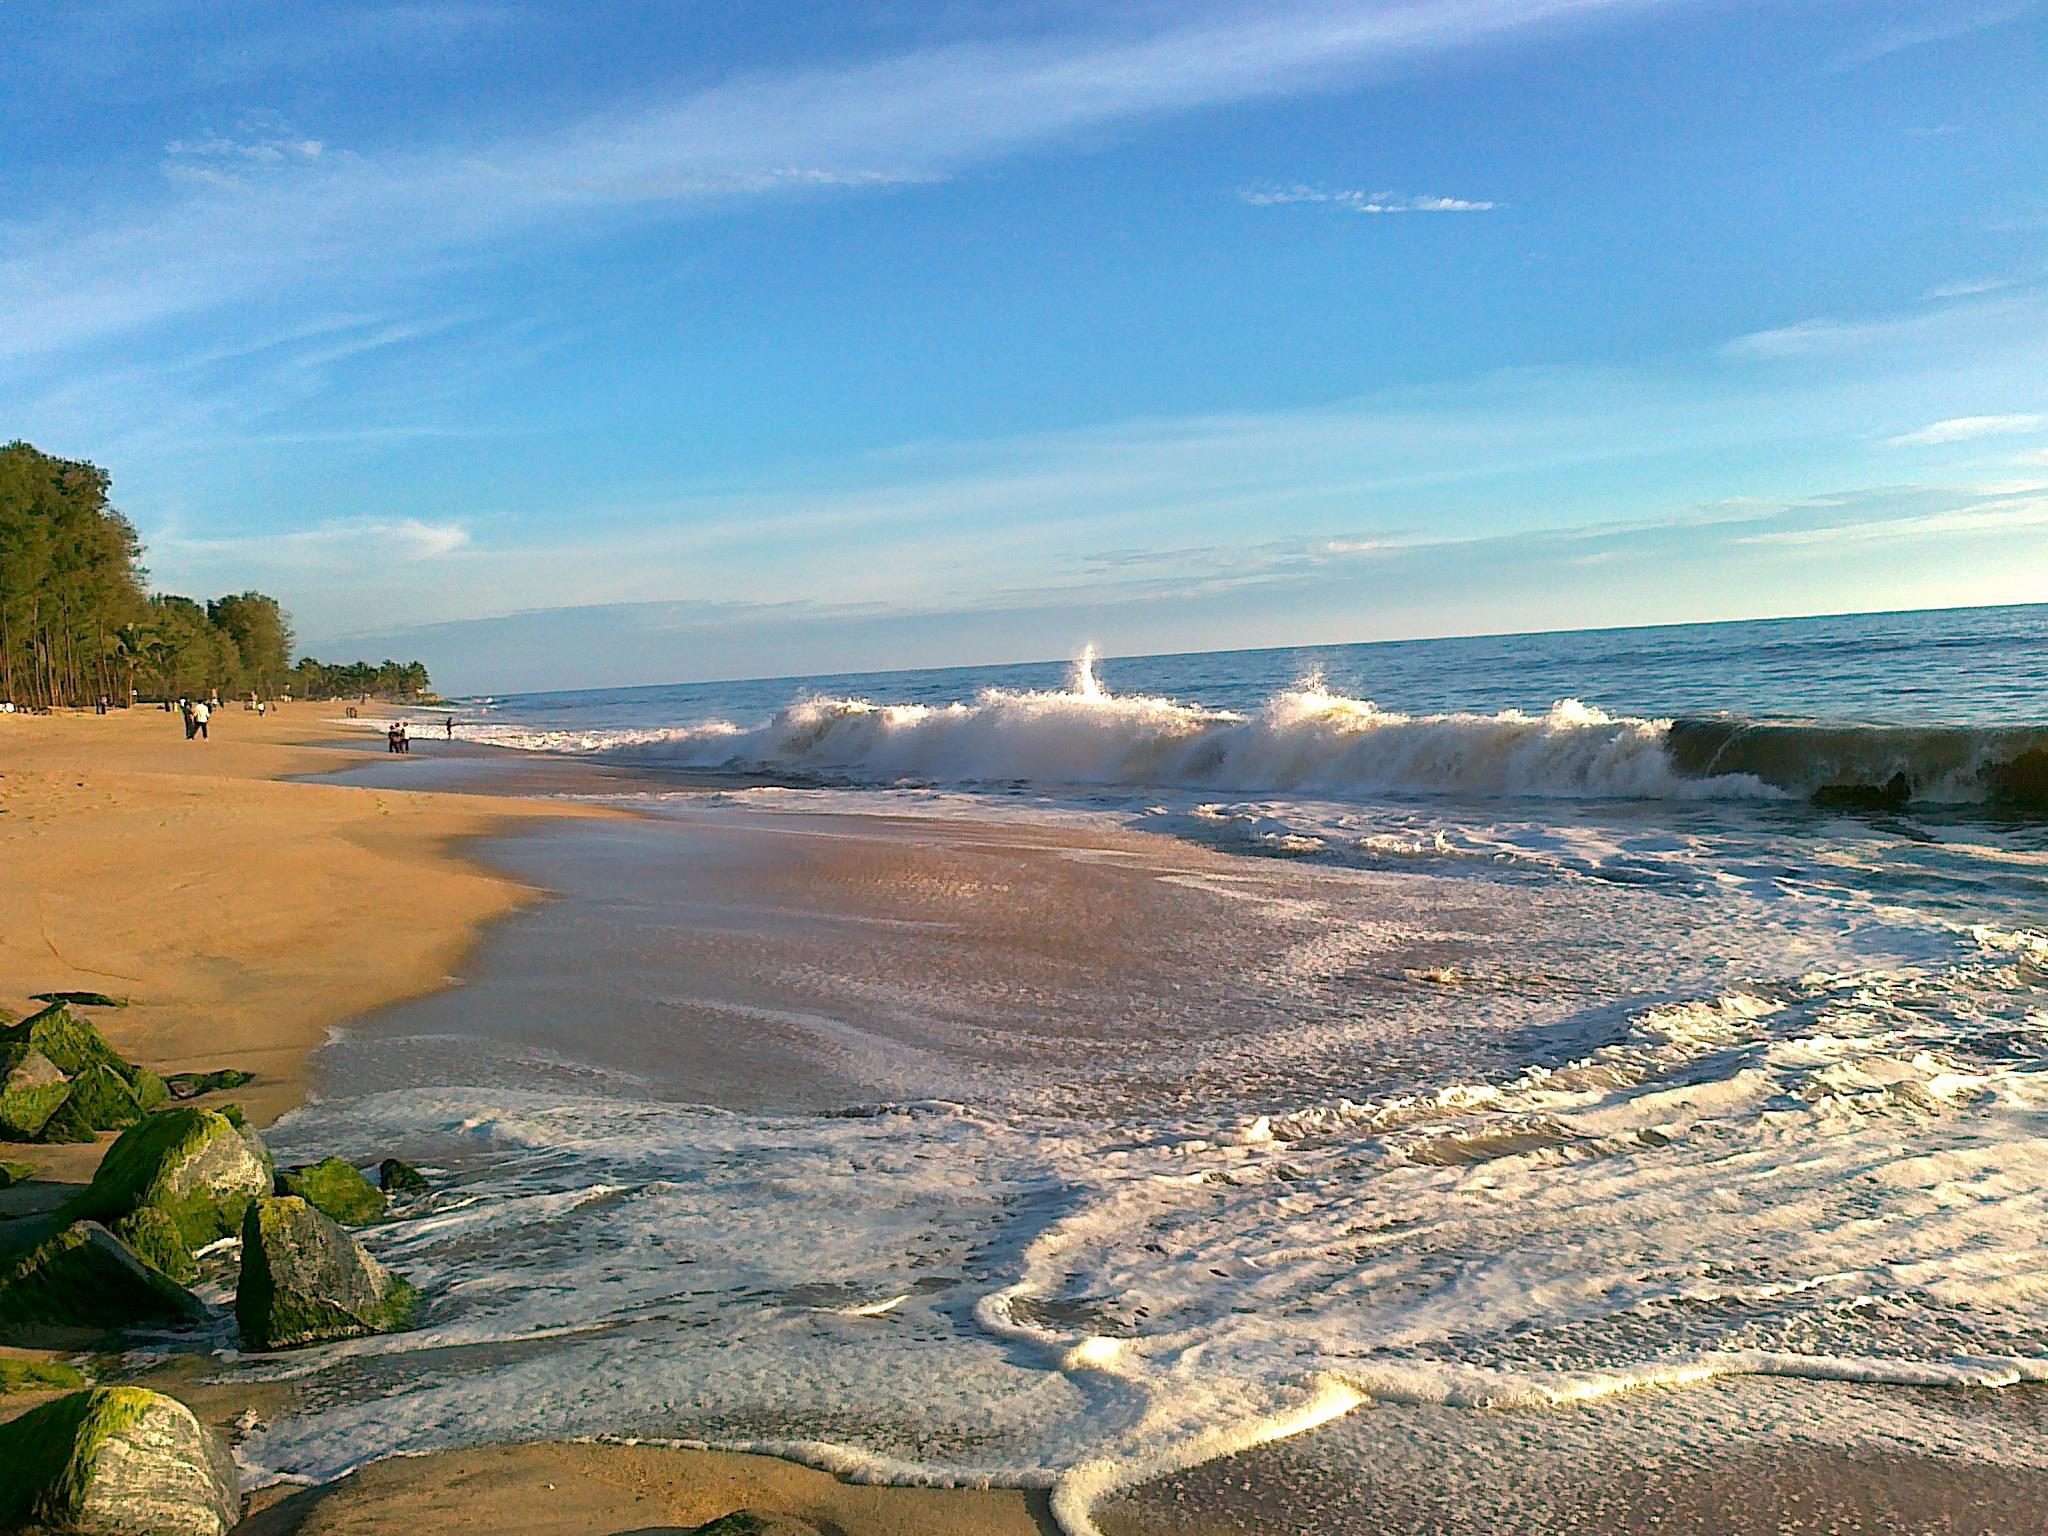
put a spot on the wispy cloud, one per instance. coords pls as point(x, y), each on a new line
point(1963, 429)
point(336, 219)
point(1942, 24)
point(1360, 202)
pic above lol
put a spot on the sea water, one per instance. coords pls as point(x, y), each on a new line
point(1529, 1021)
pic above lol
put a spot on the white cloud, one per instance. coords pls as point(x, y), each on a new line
point(1361, 202)
point(1963, 429)
point(333, 218)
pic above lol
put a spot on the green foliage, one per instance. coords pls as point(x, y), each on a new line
point(76, 626)
point(334, 1188)
point(400, 682)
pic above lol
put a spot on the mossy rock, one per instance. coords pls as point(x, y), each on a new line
point(401, 1178)
point(66, 1039)
point(151, 1091)
point(32, 1088)
point(12, 1174)
point(103, 1099)
point(81, 999)
point(189, 1085)
point(334, 1188)
point(68, 1124)
point(196, 1165)
point(305, 1281)
point(753, 1522)
point(155, 1237)
point(85, 1277)
point(116, 1461)
point(18, 1375)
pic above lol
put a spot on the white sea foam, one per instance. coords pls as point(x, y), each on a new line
point(1840, 1177)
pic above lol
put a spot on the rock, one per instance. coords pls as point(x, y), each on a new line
point(32, 1088)
point(399, 1178)
point(305, 1280)
point(189, 1085)
point(752, 1522)
point(12, 1174)
point(192, 1163)
point(81, 999)
point(117, 1461)
point(67, 1040)
point(85, 1277)
point(334, 1188)
point(20, 1375)
point(151, 1091)
point(155, 1237)
point(69, 1123)
point(102, 1098)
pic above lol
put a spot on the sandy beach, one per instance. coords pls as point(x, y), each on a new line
point(759, 961)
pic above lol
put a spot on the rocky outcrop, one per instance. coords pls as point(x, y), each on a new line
point(103, 1098)
point(199, 1167)
point(85, 1277)
point(32, 1088)
point(334, 1188)
point(399, 1178)
point(12, 1174)
point(116, 1461)
point(305, 1280)
point(18, 1374)
point(69, 1041)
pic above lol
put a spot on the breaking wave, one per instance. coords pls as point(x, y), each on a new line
point(1307, 739)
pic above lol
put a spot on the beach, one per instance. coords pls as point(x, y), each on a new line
point(1003, 1142)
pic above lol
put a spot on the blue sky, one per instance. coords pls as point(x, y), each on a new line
point(605, 343)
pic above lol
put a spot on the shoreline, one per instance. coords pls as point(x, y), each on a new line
point(285, 906)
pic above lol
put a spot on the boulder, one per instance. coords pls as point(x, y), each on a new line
point(32, 1088)
point(189, 1085)
point(85, 1277)
point(305, 1280)
point(334, 1188)
point(67, 1040)
point(753, 1522)
point(12, 1174)
point(399, 1178)
point(151, 1091)
point(155, 1237)
point(103, 1099)
point(196, 1165)
point(117, 1461)
point(18, 1374)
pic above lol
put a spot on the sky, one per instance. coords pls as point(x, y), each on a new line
point(605, 343)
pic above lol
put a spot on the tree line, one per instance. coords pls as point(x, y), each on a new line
point(79, 625)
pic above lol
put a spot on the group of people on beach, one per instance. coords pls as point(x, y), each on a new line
point(197, 713)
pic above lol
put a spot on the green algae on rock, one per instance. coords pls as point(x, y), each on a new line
point(32, 1088)
point(12, 1174)
point(85, 1277)
point(66, 1039)
point(103, 1098)
point(334, 1188)
point(155, 1237)
point(19, 1375)
point(305, 1280)
point(197, 1165)
point(753, 1522)
point(82, 999)
point(117, 1461)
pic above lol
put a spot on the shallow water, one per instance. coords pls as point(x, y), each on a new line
point(939, 1128)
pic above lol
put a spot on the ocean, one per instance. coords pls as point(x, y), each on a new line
point(1063, 1075)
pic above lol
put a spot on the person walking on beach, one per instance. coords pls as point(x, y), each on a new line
point(449, 722)
point(201, 713)
point(391, 738)
point(185, 711)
